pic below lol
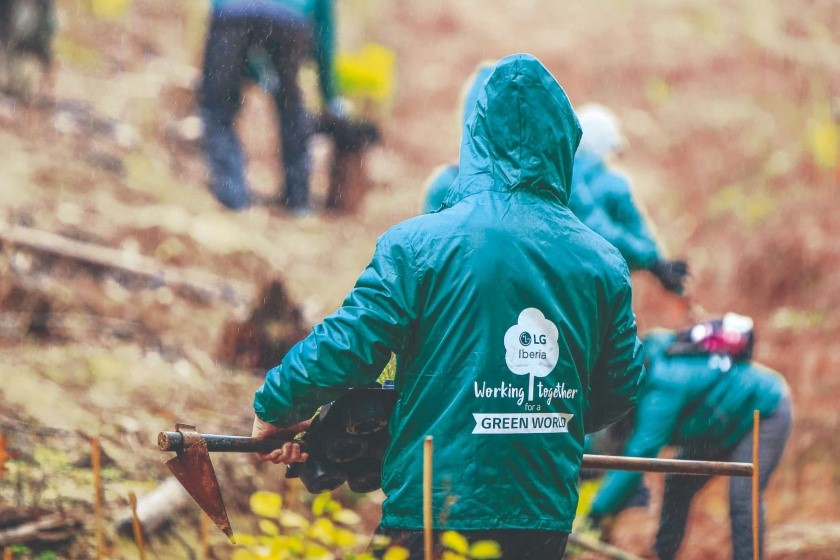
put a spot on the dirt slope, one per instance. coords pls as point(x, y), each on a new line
point(727, 111)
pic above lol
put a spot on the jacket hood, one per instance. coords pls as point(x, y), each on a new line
point(522, 134)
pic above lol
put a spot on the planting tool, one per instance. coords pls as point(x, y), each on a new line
point(193, 469)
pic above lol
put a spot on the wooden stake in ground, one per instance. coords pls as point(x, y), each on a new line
point(96, 466)
point(7, 553)
point(136, 527)
point(755, 501)
point(204, 536)
point(427, 498)
point(4, 453)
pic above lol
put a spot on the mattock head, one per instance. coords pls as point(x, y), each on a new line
point(193, 469)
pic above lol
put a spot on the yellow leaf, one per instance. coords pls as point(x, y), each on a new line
point(347, 517)
point(295, 545)
point(658, 91)
point(281, 547)
point(789, 318)
point(485, 550)
point(110, 9)
point(266, 504)
point(261, 552)
point(243, 554)
point(378, 542)
point(587, 490)
point(245, 540)
point(449, 555)
point(292, 520)
point(268, 527)
point(345, 539)
point(368, 73)
point(455, 541)
point(396, 553)
point(314, 551)
point(324, 503)
point(824, 141)
point(323, 530)
point(758, 208)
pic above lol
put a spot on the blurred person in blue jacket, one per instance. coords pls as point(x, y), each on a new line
point(603, 200)
point(601, 197)
point(700, 394)
point(442, 177)
point(287, 31)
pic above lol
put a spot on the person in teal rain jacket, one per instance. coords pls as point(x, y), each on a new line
point(285, 33)
point(601, 197)
point(512, 327)
point(700, 394)
point(442, 177)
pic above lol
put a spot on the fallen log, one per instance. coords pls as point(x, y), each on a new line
point(200, 282)
point(50, 528)
point(156, 509)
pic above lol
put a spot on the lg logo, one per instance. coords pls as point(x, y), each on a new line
point(526, 339)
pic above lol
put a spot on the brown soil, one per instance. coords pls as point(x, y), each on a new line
point(717, 100)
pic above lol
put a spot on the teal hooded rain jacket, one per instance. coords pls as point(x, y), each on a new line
point(511, 323)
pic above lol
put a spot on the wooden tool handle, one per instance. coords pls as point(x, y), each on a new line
point(175, 441)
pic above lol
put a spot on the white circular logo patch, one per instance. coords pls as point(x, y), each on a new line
point(531, 346)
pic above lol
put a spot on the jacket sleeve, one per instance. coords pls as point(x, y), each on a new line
point(626, 227)
point(656, 417)
point(619, 372)
point(639, 252)
point(324, 47)
point(351, 346)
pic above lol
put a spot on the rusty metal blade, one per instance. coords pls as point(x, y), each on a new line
point(193, 469)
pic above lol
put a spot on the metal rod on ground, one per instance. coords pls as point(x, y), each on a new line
point(672, 466)
point(96, 466)
point(755, 502)
point(136, 527)
point(427, 498)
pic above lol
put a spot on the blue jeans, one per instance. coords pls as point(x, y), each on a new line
point(680, 490)
point(220, 97)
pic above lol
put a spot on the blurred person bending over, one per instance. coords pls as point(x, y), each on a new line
point(288, 31)
point(700, 393)
point(601, 197)
point(512, 327)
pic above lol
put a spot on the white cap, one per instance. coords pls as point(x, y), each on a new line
point(601, 132)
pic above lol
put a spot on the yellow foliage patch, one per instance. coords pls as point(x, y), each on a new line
point(266, 504)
